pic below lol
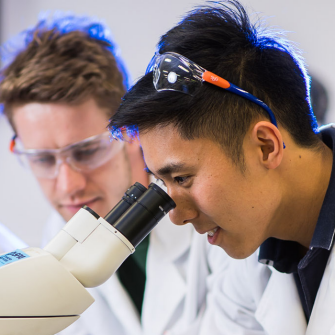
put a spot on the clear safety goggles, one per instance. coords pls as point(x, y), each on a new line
point(85, 155)
point(175, 72)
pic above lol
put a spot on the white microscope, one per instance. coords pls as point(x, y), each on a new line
point(42, 291)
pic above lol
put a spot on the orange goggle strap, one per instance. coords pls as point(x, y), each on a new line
point(12, 143)
point(212, 78)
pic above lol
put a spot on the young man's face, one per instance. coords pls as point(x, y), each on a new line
point(211, 192)
point(53, 126)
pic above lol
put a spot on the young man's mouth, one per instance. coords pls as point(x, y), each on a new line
point(76, 206)
point(213, 234)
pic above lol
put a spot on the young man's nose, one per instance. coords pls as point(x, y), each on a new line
point(184, 211)
point(70, 181)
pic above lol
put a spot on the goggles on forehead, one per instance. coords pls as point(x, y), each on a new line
point(84, 156)
point(174, 72)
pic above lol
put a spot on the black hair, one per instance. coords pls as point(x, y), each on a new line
point(319, 99)
point(220, 38)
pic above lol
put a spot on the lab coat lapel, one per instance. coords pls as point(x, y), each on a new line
point(322, 320)
point(121, 305)
point(280, 311)
point(165, 285)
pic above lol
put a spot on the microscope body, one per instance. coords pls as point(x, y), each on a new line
point(42, 291)
point(39, 296)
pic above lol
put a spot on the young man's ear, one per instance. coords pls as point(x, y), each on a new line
point(268, 139)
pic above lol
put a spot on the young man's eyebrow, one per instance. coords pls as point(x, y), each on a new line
point(170, 168)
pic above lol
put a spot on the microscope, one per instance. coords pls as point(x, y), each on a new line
point(42, 291)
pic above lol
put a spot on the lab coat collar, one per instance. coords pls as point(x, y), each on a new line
point(280, 303)
point(322, 318)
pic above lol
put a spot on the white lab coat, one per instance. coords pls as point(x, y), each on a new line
point(181, 270)
point(322, 320)
point(257, 299)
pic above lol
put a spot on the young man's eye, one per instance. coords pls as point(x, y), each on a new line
point(181, 180)
point(45, 160)
point(85, 153)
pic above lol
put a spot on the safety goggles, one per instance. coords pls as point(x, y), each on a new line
point(84, 156)
point(174, 72)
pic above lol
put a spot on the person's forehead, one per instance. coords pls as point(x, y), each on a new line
point(53, 125)
point(165, 150)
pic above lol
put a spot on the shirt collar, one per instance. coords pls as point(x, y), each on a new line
point(325, 227)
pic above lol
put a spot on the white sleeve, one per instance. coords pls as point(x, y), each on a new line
point(233, 296)
point(210, 266)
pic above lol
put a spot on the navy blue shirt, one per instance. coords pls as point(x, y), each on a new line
point(285, 256)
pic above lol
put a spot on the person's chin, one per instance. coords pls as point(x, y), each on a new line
point(237, 250)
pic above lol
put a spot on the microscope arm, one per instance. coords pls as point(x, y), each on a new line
point(92, 250)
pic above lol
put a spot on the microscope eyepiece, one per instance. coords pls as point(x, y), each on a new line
point(138, 212)
point(137, 222)
point(129, 198)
